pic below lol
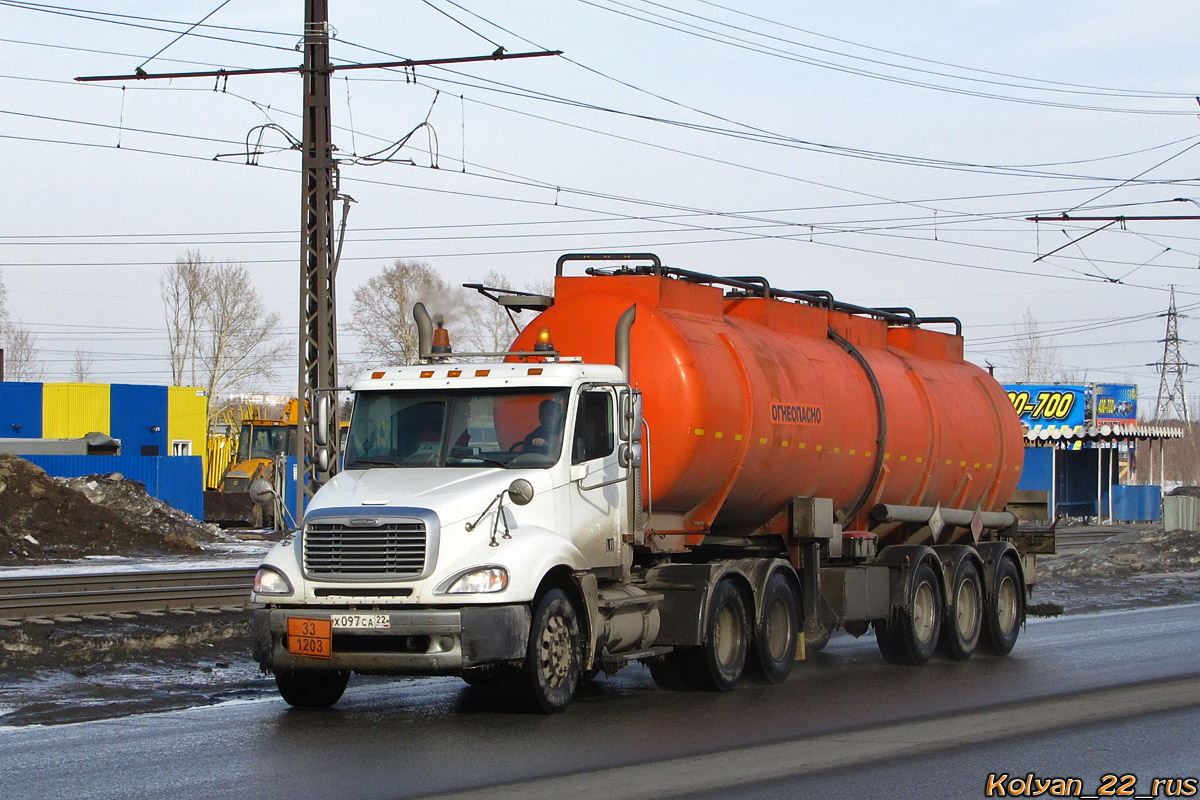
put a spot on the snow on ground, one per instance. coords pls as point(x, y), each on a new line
point(72, 672)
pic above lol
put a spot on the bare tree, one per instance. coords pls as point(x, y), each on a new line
point(19, 345)
point(491, 329)
point(1034, 355)
point(382, 310)
point(81, 367)
point(20, 354)
point(219, 335)
point(184, 288)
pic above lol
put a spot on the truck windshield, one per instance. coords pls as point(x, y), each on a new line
point(495, 428)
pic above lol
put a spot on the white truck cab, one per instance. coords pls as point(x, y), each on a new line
point(465, 488)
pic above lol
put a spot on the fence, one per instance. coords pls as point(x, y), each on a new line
point(176, 480)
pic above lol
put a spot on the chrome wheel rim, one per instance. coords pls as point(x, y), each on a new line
point(728, 635)
point(967, 608)
point(554, 651)
point(1006, 605)
point(777, 630)
point(924, 612)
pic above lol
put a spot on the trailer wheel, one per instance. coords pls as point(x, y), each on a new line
point(775, 644)
point(910, 634)
point(311, 688)
point(964, 616)
point(554, 656)
point(1005, 609)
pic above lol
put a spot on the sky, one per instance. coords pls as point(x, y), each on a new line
point(890, 153)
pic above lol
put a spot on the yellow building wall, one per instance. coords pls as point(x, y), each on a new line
point(72, 410)
point(187, 418)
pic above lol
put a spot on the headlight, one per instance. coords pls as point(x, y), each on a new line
point(269, 580)
point(479, 581)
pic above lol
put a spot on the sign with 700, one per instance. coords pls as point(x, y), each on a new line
point(1042, 405)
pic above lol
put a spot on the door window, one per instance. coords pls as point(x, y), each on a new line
point(594, 436)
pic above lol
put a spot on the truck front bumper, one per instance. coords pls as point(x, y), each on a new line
point(417, 642)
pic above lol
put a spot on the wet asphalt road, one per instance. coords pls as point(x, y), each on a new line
point(845, 724)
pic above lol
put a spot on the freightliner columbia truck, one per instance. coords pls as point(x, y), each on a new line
point(703, 474)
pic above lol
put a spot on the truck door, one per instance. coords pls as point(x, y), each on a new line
point(597, 487)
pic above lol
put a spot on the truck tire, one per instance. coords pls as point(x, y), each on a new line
point(910, 634)
point(311, 688)
point(554, 655)
point(963, 623)
point(1005, 609)
point(717, 664)
point(775, 643)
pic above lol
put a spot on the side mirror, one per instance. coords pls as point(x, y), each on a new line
point(322, 455)
point(262, 493)
point(320, 425)
point(520, 491)
point(631, 416)
point(630, 455)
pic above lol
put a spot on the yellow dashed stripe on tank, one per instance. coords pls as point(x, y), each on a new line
point(763, 440)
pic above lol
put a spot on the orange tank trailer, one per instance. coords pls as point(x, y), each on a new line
point(751, 401)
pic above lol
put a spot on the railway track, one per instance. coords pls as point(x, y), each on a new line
point(1069, 542)
point(53, 597)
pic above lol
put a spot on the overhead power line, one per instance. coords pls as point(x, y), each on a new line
point(691, 29)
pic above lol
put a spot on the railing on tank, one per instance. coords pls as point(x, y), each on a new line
point(753, 285)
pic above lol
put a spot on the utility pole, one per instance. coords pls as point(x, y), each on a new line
point(317, 449)
point(317, 444)
point(1172, 394)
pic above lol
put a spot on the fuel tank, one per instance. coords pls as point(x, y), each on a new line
point(750, 401)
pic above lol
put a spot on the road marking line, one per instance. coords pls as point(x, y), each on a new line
point(732, 768)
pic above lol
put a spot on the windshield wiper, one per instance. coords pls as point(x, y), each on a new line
point(373, 462)
point(491, 461)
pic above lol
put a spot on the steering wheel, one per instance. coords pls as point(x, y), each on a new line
point(519, 446)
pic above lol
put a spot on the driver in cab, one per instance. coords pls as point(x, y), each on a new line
point(544, 438)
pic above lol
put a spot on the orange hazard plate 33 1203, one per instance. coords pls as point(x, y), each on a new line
point(310, 637)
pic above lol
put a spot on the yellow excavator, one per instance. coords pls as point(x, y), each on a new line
point(260, 442)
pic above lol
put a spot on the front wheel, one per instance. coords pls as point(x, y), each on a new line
point(554, 655)
point(312, 688)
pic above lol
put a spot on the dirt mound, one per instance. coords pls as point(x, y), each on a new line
point(42, 518)
point(1132, 553)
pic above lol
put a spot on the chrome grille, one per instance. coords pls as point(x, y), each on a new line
point(388, 550)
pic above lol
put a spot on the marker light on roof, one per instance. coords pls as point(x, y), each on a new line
point(441, 341)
